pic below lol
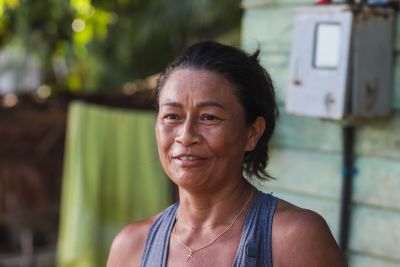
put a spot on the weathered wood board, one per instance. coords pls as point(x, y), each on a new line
point(375, 232)
point(318, 174)
point(364, 260)
point(377, 184)
point(376, 138)
point(306, 172)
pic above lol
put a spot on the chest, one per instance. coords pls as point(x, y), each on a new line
point(222, 253)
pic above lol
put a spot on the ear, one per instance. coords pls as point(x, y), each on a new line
point(255, 132)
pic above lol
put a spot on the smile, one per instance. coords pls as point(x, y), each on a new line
point(190, 158)
point(187, 158)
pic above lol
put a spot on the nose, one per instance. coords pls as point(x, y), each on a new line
point(188, 134)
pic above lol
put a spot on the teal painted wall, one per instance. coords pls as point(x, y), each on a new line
point(306, 153)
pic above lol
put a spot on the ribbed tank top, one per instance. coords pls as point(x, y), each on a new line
point(255, 244)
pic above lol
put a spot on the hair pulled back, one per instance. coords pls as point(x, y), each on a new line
point(253, 88)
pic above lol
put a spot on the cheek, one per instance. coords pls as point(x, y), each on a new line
point(227, 143)
point(164, 138)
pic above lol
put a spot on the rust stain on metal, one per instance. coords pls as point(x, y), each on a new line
point(368, 13)
point(347, 8)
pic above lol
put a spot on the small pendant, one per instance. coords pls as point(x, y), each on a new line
point(189, 255)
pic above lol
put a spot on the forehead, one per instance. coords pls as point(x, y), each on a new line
point(197, 85)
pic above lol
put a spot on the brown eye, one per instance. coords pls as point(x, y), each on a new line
point(209, 117)
point(170, 117)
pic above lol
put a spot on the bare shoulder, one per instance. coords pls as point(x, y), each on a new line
point(301, 237)
point(127, 247)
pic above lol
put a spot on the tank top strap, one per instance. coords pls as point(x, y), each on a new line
point(156, 248)
point(255, 247)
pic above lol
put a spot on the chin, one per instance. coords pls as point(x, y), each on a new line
point(188, 181)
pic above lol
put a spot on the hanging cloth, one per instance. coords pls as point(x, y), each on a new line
point(112, 176)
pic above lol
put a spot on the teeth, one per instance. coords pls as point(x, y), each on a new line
point(188, 158)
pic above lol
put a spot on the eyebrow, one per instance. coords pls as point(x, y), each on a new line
point(209, 103)
point(172, 104)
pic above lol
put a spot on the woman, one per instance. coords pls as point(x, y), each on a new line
point(216, 115)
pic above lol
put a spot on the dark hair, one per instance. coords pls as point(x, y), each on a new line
point(254, 90)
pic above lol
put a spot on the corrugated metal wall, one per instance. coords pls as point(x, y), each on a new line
point(306, 155)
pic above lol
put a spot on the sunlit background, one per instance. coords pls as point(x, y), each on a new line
point(52, 46)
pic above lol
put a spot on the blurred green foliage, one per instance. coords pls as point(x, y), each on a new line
point(96, 45)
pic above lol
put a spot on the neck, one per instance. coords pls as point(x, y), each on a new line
point(197, 210)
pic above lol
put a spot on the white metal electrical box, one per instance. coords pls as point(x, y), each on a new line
point(341, 62)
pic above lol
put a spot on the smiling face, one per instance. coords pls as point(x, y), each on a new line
point(201, 130)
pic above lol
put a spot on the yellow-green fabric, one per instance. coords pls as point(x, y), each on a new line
point(112, 176)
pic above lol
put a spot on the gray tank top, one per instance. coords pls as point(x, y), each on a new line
point(255, 243)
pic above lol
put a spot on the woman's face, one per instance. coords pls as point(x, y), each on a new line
point(201, 130)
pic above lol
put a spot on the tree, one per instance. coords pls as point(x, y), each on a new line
point(98, 45)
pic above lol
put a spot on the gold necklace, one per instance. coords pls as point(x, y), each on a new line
point(192, 251)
